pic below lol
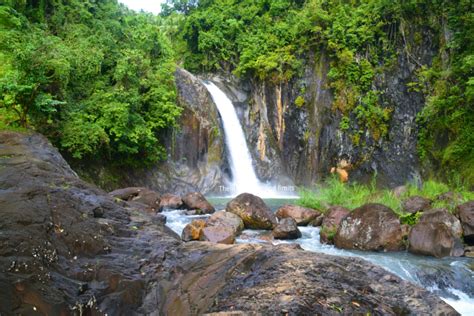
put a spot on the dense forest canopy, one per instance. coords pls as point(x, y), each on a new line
point(93, 76)
point(98, 78)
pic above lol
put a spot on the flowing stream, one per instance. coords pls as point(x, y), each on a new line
point(450, 278)
point(244, 178)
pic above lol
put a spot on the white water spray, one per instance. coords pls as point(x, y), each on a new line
point(244, 177)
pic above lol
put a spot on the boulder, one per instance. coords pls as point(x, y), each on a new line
point(441, 215)
point(141, 195)
point(253, 211)
point(287, 228)
point(218, 234)
point(223, 218)
point(416, 204)
point(170, 202)
point(332, 219)
point(192, 231)
point(197, 202)
point(466, 215)
point(302, 215)
point(434, 239)
point(370, 227)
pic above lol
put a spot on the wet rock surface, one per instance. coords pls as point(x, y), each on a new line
point(434, 239)
point(332, 220)
point(59, 258)
point(223, 218)
point(195, 201)
point(139, 196)
point(253, 211)
point(286, 229)
point(170, 202)
point(218, 234)
point(370, 227)
point(443, 216)
point(295, 282)
point(302, 215)
point(193, 230)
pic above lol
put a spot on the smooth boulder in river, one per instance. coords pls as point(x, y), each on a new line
point(170, 202)
point(436, 234)
point(222, 227)
point(253, 211)
point(441, 215)
point(287, 228)
point(370, 227)
point(302, 215)
point(332, 220)
point(192, 231)
point(434, 239)
point(223, 218)
point(195, 201)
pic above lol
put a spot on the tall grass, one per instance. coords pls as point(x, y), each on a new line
point(353, 195)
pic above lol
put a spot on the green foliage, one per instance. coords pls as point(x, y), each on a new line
point(345, 123)
point(254, 38)
point(95, 78)
point(447, 135)
point(299, 102)
point(410, 218)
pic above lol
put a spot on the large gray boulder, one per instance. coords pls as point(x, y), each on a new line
point(434, 239)
point(370, 227)
point(443, 216)
point(287, 228)
point(332, 220)
point(302, 215)
point(195, 201)
point(253, 211)
point(170, 201)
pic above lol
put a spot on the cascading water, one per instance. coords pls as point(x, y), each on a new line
point(244, 177)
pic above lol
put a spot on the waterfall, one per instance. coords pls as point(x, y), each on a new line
point(244, 178)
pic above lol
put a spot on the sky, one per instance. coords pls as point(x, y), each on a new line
point(152, 6)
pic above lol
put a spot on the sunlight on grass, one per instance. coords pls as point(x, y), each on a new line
point(353, 195)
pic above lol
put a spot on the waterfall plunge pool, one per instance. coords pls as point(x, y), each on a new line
point(452, 279)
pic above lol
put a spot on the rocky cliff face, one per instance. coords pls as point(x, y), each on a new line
point(68, 248)
point(294, 130)
point(196, 149)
